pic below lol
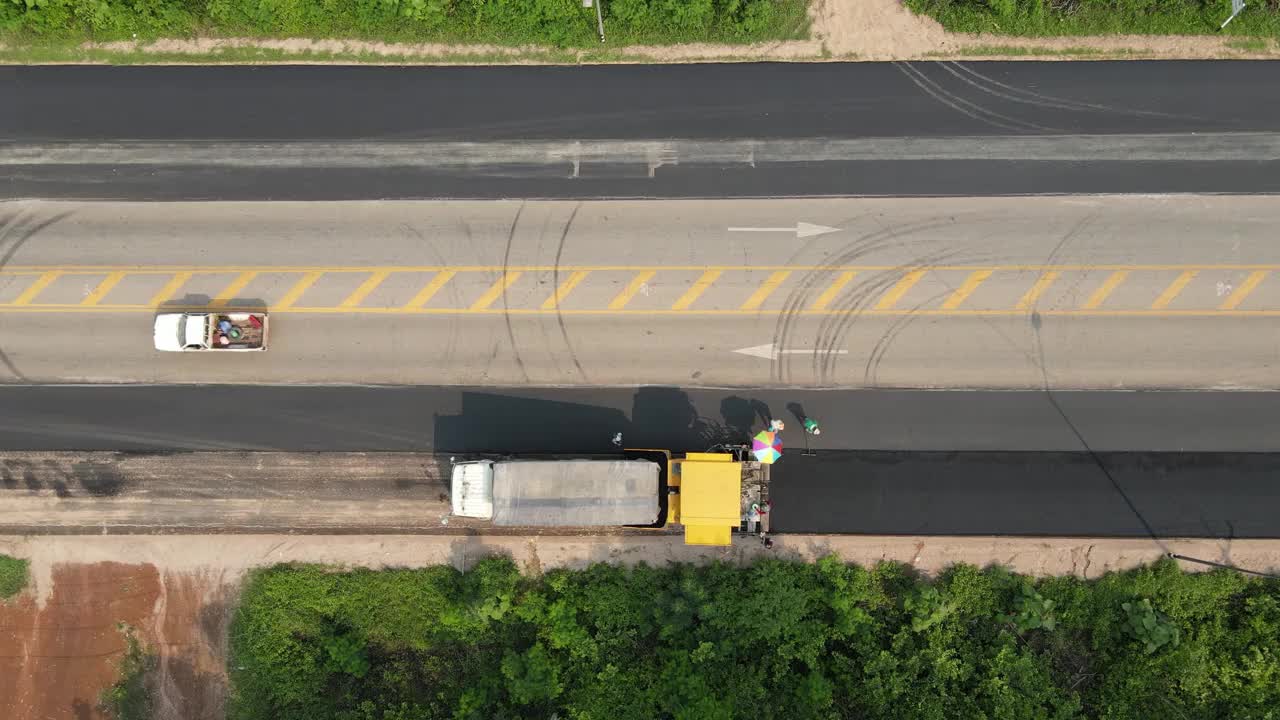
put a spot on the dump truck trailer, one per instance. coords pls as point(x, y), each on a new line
point(560, 493)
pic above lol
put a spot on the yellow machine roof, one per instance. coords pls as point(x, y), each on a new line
point(707, 535)
point(710, 491)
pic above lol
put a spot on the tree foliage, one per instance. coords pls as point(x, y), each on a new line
point(776, 639)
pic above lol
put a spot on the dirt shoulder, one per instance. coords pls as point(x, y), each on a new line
point(59, 640)
point(842, 30)
point(126, 493)
point(215, 492)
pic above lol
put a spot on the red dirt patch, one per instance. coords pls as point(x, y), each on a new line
point(57, 657)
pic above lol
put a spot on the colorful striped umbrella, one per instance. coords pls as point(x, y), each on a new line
point(766, 446)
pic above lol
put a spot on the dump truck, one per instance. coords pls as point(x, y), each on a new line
point(638, 489)
point(222, 331)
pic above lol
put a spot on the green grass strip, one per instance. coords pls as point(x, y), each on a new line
point(13, 576)
point(546, 23)
point(1059, 18)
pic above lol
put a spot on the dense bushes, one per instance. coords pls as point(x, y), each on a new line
point(504, 22)
point(775, 640)
point(1100, 17)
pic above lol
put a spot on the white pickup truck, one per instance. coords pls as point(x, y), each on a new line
point(195, 331)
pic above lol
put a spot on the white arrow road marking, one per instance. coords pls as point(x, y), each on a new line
point(769, 351)
point(802, 229)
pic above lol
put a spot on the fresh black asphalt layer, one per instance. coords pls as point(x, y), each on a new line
point(61, 104)
point(887, 462)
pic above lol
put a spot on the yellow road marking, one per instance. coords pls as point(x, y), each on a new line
point(764, 291)
point(424, 296)
point(696, 291)
point(832, 290)
point(963, 292)
point(632, 288)
point(236, 286)
point(43, 282)
point(174, 285)
point(366, 287)
point(297, 291)
point(1234, 299)
point(1100, 295)
point(103, 288)
point(565, 288)
point(839, 277)
point(896, 292)
point(1168, 313)
point(496, 290)
point(1028, 301)
point(1172, 291)
point(211, 269)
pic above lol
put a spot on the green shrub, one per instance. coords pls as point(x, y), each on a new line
point(927, 608)
point(1032, 611)
point(1150, 627)
point(345, 652)
point(13, 576)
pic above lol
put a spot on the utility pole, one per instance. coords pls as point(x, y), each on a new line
point(599, 16)
point(1236, 7)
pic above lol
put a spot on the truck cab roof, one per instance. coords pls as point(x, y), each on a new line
point(169, 331)
point(175, 331)
point(473, 489)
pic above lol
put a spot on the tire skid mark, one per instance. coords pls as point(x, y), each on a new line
point(564, 331)
point(1050, 101)
point(963, 106)
point(798, 297)
point(838, 330)
point(833, 328)
point(22, 228)
point(506, 301)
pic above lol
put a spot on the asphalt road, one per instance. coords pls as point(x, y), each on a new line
point(1167, 292)
point(1159, 495)
point(177, 110)
point(563, 420)
point(1078, 292)
point(782, 100)
point(925, 463)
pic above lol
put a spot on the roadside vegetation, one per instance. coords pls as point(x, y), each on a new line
point(130, 696)
point(555, 23)
point(13, 576)
point(778, 639)
point(1049, 18)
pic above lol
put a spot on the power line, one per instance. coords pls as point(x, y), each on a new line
point(1036, 323)
point(1224, 566)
